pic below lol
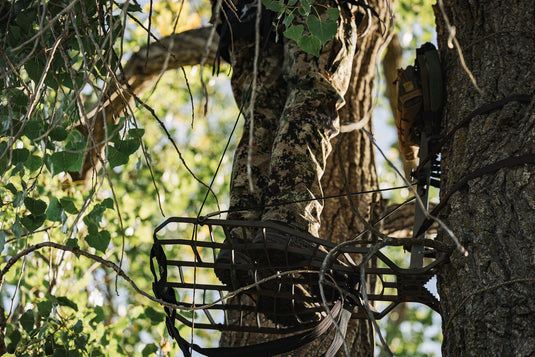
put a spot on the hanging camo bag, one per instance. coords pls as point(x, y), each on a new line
point(420, 98)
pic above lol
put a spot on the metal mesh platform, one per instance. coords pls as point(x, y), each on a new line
point(271, 285)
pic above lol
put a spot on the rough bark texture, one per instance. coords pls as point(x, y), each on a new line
point(486, 313)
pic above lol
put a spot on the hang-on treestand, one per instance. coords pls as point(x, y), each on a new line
point(183, 259)
point(183, 270)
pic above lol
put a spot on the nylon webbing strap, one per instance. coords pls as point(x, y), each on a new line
point(485, 170)
point(505, 163)
point(265, 349)
point(483, 109)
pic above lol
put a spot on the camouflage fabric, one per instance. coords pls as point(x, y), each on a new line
point(298, 96)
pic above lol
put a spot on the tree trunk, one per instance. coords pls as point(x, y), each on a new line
point(487, 297)
point(356, 153)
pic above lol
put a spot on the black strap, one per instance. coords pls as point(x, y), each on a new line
point(485, 170)
point(483, 109)
point(265, 349)
point(271, 348)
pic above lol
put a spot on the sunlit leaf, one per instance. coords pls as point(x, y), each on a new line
point(65, 161)
point(27, 320)
point(53, 213)
point(32, 222)
point(99, 240)
point(310, 44)
point(294, 32)
point(324, 30)
point(36, 207)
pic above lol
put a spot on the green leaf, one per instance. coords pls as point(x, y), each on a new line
point(134, 7)
point(287, 21)
point(72, 242)
point(20, 155)
point(324, 30)
point(3, 237)
point(33, 163)
point(32, 129)
point(63, 301)
point(128, 147)
point(32, 222)
point(108, 203)
point(75, 140)
point(37, 207)
point(44, 307)
point(60, 352)
point(27, 320)
point(99, 241)
point(14, 339)
point(66, 161)
point(272, 5)
point(49, 347)
point(99, 312)
point(294, 32)
point(333, 13)
point(11, 188)
point(80, 342)
point(53, 213)
point(68, 205)
point(306, 7)
point(17, 228)
point(19, 167)
point(136, 133)
point(14, 36)
point(93, 218)
point(59, 133)
point(155, 316)
point(116, 158)
point(78, 327)
point(19, 198)
point(310, 44)
point(34, 69)
point(149, 349)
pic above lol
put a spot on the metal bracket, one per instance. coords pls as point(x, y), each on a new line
point(185, 276)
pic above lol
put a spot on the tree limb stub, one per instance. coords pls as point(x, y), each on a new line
point(178, 50)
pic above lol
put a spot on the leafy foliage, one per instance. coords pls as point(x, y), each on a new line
point(320, 26)
point(58, 61)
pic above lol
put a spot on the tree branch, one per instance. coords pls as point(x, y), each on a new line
point(171, 52)
point(80, 252)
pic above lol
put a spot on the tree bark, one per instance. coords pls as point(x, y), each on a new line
point(487, 297)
